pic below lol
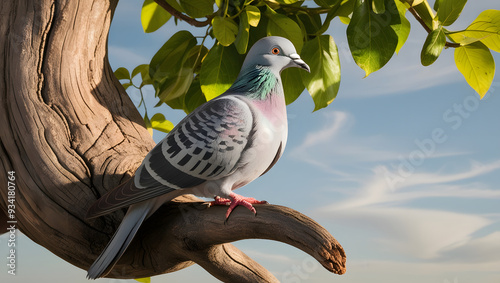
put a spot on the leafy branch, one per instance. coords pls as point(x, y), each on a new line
point(428, 29)
point(158, 121)
point(185, 73)
point(179, 15)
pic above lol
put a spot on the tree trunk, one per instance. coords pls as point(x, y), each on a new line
point(70, 133)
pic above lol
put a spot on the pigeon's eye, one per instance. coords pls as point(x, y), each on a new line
point(275, 51)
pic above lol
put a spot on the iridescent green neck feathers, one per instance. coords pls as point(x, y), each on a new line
point(256, 83)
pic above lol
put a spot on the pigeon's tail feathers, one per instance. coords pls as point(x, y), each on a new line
point(120, 240)
point(124, 195)
point(109, 201)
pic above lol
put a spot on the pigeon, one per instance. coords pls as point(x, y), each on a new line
point(221, 146)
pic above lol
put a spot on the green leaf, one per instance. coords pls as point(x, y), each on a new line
point(219, 70)
point(413, 3)
point(148, 125)
point(195, 56)
point(194, 97)
point(176, 86)
point(241, 41)
point(342, 9)
point(144, 280)
point(372, 37)
point(126, 85)
point(198, 8)
point(486, 27)
point(423, 9)
point(460, 37)
point(327, 3)
point(324, 80)
point(175, 103)
point(433, 45)
point(449, 10)
point(158, 122)
point(153, 16)
point(175, 5)
point(225, 30)
point(282, 25)
point(144, 70)
point(476, 64)
point(140, 69)
point(404, 29)
point(436, 5)
point(292, 84)
point(167, 62)
point(311, 23)
point(287, 2)
point(378, 6)
point(250, 17)
point(253, 15)
point(122, 74)
point(345, 10)
point(260, 31)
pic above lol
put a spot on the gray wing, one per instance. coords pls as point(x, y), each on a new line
point(206, 145)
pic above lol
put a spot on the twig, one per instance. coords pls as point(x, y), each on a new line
point(452, 44)
point(419, 19)
point(428, 29)
point(181, 16)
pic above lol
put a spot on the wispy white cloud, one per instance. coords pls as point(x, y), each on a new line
point(335, 123)
point(331, 140)
point(380, 200)
point(476, 169)
point(386, 186)
point(432, 233)
point(418, 233)
point(483, 249)
point(418, 272)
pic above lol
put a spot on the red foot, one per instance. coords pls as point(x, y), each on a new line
point(235, 201)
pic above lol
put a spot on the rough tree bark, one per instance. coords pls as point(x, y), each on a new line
point(70, 132)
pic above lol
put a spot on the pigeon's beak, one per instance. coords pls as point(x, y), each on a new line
point(299, 62)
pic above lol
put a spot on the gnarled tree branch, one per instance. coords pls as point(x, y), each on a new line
point(70, 132)
point(192, 232)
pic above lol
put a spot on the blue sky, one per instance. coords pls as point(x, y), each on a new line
point(403, 168)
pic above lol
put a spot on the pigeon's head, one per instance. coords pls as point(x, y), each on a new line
point(276, 52)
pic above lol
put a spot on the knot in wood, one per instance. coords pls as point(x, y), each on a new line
point(191, 244)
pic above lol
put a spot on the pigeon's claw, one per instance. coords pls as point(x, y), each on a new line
point(220, 201)
point(235, 201)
